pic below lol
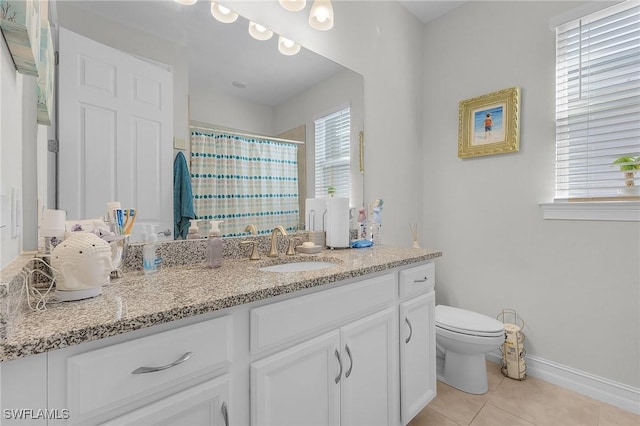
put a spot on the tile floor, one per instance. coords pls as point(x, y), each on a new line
point(519, 403)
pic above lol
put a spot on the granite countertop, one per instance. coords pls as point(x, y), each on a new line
point(137, 300)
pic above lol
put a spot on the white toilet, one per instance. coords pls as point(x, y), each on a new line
point(462, 340)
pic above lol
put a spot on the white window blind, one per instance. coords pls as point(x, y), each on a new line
point(598, 105)
point(333, 134)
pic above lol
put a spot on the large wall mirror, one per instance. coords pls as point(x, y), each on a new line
point(230, 80)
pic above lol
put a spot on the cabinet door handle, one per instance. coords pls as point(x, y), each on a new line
point(183, 358)
point(425, 279)
point(340, 363)
point(410, 330)
point(225, 414)
point(348, 373)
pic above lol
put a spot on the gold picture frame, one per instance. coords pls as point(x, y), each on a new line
point(489, 124)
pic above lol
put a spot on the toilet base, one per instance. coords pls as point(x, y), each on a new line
point(466, 372)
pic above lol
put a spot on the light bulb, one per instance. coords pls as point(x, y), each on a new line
point(287, 47)
point(321, 15)
point(293, 5)
point(259, 32)
point(222, 13)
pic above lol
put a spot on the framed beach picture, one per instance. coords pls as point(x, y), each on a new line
point(489, 124)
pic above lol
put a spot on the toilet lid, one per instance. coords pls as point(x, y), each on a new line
point(467, 322)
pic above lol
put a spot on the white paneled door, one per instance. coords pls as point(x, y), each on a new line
point(115, 132)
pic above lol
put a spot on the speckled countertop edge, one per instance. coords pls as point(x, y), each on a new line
point(138, 301)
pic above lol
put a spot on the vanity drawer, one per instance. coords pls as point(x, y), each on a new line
point(417, 280)
point(102, 380)
point(292, 320)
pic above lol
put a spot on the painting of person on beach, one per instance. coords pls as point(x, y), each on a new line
point(488, 125)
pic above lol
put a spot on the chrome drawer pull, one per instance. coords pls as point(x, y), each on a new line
point(348, 373)
point(182, 359)
point(225, 414)
point(422, 280)
point(339, 362)
point(410, 330)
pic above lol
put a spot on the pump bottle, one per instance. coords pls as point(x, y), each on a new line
point(150, 258)
point(193, 230)
point(214, 245)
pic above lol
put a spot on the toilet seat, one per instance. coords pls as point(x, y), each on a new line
point(466, 322)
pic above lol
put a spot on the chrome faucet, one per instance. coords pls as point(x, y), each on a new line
point(273, 252)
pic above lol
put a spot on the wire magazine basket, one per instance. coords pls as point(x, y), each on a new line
point(513, 352)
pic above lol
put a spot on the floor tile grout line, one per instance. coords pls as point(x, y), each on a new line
point(511, 413)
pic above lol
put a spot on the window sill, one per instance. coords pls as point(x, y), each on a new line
point(624, 211)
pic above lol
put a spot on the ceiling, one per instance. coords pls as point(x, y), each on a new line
point(428, 10)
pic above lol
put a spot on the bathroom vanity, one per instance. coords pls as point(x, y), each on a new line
point(349, 344)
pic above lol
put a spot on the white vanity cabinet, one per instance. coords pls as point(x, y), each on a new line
point(165, 376)
point(203, 404)
point(355, 352)
point(417, 340)
point(298, 385)
point(346, 376)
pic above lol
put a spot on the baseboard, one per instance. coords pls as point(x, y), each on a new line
point(605, 390)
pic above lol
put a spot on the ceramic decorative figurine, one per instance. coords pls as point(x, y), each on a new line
point(82, 262)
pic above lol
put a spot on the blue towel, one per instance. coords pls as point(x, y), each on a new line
point(182, 198)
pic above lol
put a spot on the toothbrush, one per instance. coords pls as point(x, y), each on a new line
point(120, 219)
point(130, 220)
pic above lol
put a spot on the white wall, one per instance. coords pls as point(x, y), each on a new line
point(341, 90)
point(381, 41)
point(230, 112)
point(575, 283)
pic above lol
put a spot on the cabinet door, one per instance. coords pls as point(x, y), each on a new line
point(300, 385)
point(417, 355)
point(205, 404)
point(369, 382)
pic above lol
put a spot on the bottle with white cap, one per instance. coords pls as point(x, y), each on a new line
point(193, 230)
point(150, 258)
point(214, 245)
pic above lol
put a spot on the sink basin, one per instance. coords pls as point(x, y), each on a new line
point(299, 266)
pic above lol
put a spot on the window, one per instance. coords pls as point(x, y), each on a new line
point(332, 154)
point(598, 106)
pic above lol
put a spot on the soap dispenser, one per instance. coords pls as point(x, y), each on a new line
point(214, 245)
point(193, 230)
point(150, 258)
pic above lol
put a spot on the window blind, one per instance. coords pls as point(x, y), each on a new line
point(598, 105)
point(332, 140)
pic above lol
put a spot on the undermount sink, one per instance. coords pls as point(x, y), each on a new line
point(299, 266)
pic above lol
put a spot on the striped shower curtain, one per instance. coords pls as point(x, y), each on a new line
point(243, 180)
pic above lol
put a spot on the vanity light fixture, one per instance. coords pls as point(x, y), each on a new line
point(222, 13)
point(287, 47)
point(186, 2)
point(321, 16)
point(293, 5)
point(259, 32)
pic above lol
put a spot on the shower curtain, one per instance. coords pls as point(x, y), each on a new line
point(243, 180)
